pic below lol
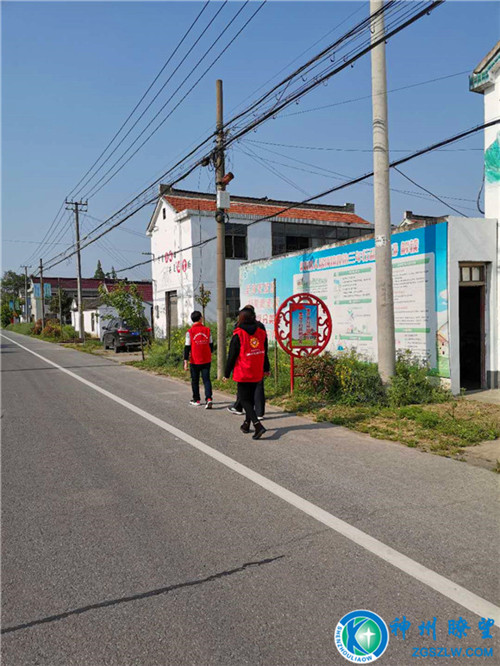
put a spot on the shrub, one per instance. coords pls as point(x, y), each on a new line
point(37, 328)
point(52, 329)
point(411, 384)
point(345, 378)
point(68, 332)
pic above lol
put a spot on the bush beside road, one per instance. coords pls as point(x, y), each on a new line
point(346, 390)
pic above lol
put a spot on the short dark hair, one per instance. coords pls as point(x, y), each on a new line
point(246, 316)
point(196, 316)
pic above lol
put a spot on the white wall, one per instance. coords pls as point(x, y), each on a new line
point(171, 272)
point(472, 239)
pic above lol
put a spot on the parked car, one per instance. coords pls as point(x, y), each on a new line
point(118, 335)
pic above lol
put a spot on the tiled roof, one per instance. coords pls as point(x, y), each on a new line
point(264, 209)
point(144, 289)
point(91, 283)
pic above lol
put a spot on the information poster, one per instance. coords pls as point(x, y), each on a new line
point(304, 330)
point(344, 277)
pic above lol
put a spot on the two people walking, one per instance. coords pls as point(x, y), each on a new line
point(247, 361)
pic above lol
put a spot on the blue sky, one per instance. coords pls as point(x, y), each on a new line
point(72, 72)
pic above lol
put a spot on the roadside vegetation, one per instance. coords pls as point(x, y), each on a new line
point(342, 389)
point(347, 390)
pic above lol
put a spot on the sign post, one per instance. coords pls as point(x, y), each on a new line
point(302, 328)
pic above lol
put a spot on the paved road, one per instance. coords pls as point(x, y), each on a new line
point(139, 530)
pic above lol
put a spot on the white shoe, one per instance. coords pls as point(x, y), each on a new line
point(195, 403)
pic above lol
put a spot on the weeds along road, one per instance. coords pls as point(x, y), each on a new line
point(139, 530)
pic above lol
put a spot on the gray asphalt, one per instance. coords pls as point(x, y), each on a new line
point(122, 544)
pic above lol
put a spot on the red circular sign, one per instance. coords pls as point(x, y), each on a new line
point(303, 325)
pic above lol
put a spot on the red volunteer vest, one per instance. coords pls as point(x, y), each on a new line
point(250, 364)
point(200, 344)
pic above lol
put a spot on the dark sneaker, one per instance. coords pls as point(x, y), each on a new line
point(233, 410)
point(195, 403)
point(259, 430)
point(245, 427)
point(209, 403)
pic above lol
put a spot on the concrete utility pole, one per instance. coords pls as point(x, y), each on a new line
point(26, 308)
point(42, 299)
point(382, 205)
point(220, 217)
point(75, 206)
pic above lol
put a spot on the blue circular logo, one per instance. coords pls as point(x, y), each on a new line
point(361, 636)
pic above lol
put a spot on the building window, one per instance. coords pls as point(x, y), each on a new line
point(290, 237)
point(164, 213)
point(232, 302)
point(92, 321)
point(157, 310)
point(236, 241)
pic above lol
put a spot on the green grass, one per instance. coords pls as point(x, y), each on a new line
point(24, 329)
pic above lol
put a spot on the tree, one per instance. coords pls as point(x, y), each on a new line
point(12, 285)
point(66, 301)
point(127, 301)
point(113, 273)
point(6, 315)
point(99, 273)
point(203, 299)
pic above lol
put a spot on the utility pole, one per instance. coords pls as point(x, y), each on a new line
point(75, 206)
point(220, 217)
point(26, 308)
point(42, 294)
point(382, 205)
point(60, 305)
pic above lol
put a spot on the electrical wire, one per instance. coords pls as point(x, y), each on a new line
point(429, 192)
point(353, 181)
point(167, 62)
point(93, 190)
point(317, 81)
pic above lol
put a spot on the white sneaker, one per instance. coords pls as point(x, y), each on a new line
point(261, 418)
point(234, 411)
point(195, 403)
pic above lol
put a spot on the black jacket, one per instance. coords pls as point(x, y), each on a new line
point(234, 348)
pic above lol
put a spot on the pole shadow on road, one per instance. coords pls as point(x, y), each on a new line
point(142, 595)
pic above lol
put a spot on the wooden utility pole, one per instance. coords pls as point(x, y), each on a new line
point(75, 206)
point(60, 305)
point(42, 295)
point(26, 308)
point(220, 218)
point(386, 343)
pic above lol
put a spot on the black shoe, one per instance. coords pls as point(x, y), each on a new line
point(209, 404)
point(233, 410)
point(259, 430)
point(245, 427)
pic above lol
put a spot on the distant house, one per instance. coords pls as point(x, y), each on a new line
point(96, 315)
point(182, 229)
point(90, 289)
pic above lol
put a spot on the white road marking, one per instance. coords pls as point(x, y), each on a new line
point(444, 586)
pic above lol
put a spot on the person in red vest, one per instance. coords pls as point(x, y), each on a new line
point(198, 357)
point(248, 361)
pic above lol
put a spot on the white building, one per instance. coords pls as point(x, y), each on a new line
point(485, 80)
point(183, 229)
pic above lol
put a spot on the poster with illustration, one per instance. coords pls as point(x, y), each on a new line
point(343, 276)
point(304, 330)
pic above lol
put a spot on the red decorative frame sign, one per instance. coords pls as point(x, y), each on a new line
point(303, 327)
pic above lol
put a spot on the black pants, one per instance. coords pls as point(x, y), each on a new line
point(246, 395)
point(204, 370)
point(260, 400)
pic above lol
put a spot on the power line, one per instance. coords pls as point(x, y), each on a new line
point(94, 191)
point(358, 99)
point(429, 192)
point(342, 150)
point(353, 181)
point(336, 173)
point(167, 62)
point(283, 102)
